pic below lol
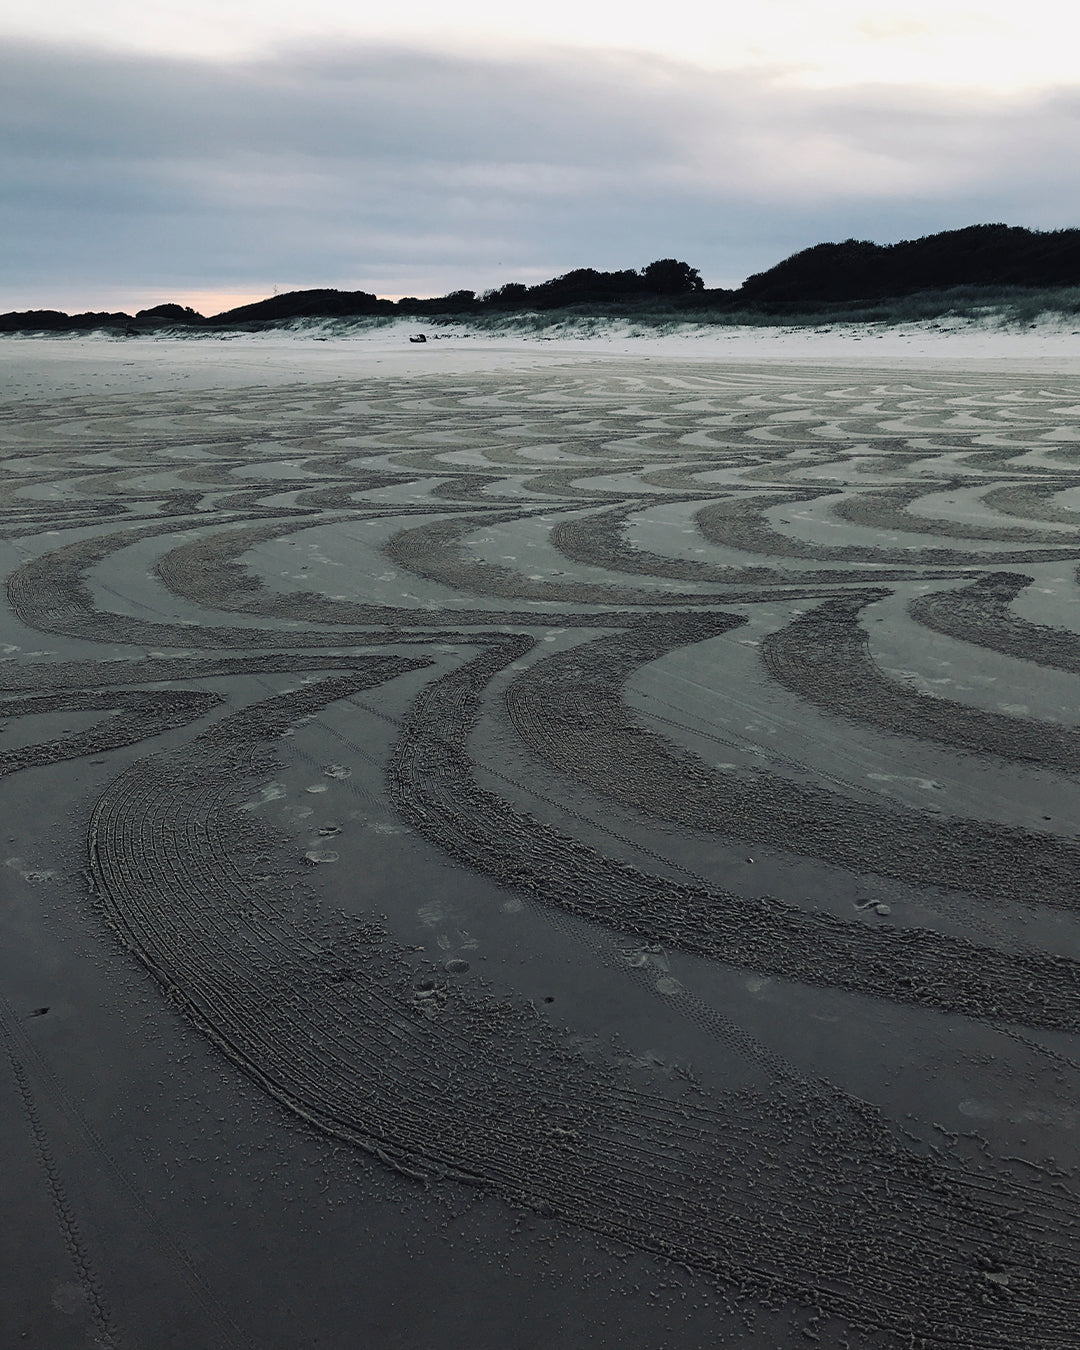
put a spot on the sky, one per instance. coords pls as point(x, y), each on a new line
point(213, 151)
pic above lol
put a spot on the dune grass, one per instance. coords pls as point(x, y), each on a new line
point(975, 306)
point(988, 307)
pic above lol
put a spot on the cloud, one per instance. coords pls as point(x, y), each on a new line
point(405, 170)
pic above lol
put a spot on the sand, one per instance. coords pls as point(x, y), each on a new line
point(541, 843)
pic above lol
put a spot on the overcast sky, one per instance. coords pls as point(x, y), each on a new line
point(212, 152)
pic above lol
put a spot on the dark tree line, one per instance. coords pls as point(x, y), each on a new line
point(992, 256)
point(979, 255)
point(666, 279)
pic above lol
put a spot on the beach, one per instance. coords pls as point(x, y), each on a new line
point(541, 841)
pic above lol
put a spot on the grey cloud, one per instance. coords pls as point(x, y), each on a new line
point(393, 168)
point(379, 104)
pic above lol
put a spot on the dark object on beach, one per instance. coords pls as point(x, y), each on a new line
point(37, 1012)
point(419, 337)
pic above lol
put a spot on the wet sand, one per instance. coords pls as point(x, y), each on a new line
point(541, 844)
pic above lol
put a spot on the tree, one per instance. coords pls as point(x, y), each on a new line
point(174, 313)
point(513, 295)
point(668, 276)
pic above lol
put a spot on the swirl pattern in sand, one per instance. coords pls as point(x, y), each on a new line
point(643, 796)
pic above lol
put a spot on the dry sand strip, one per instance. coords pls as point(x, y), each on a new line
point(325, 659)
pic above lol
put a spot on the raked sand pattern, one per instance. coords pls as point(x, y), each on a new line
point(640, 797)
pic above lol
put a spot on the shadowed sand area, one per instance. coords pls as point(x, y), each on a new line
point(530, 845)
